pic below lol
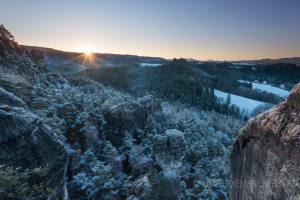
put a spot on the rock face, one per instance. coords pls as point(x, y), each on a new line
point(265, 162)
point(163, 179)
point(26, 142)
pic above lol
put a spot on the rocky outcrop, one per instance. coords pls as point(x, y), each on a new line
point(163, 178)
point(152, 106)
point(28, 143)
point(266, 154)
point(121, 118)
point(128, 117)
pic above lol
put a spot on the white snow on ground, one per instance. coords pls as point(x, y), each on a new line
point(269, 88)
point(149, 65)
point(241, 102)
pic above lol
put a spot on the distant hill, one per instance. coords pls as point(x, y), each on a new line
point(69, 63)
point(294, 60)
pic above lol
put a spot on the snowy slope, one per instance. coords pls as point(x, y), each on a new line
point(241, 102)
point(269, 88)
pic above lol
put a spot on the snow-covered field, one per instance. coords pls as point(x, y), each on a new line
point(149, 65)
point(269, 88)
point(241, 102)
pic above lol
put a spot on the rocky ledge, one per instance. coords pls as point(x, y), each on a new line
point(265, 161)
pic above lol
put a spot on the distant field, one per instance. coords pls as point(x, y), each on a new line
point(241, 102)
point(269, 88)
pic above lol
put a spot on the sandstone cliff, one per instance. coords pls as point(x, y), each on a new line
point(265, 159)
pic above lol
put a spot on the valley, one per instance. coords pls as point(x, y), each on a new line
point(108, 126)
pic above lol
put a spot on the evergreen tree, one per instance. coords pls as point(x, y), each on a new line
point(228, 100)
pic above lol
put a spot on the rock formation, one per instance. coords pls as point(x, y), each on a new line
point(152, 106)
point(124, 117)
point(27, 143)
point(163, 178)
point(265, 159)
point(130, 117)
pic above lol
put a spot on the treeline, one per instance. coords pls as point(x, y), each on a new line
point(191, 84)
point(284, 73)
point(174, 82)
point(248, 92)
point(274, 74)
point(225, 71)
point(182, 81)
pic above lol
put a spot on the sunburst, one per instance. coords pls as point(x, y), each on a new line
point(88, 53)
point(86, 58)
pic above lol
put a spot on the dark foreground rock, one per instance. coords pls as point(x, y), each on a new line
point(163, 178)
point(27, 143)
point(265, 162)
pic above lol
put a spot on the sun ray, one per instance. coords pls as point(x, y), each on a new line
point(85, 59)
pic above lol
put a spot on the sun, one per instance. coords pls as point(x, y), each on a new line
point(88, 57)
point(88, 53)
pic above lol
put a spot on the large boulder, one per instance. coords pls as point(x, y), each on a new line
point(266, 154)
point(28, 143)
point(163, 178)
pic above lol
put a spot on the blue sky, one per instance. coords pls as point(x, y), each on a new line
point(200, 29)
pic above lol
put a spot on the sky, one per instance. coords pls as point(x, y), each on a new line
point(199, 29)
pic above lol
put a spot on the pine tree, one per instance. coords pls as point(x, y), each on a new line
point(228, 100)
